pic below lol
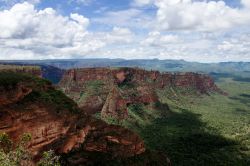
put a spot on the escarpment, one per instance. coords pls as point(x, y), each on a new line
point(115, 89)
point(200, 82)
point(32, 105)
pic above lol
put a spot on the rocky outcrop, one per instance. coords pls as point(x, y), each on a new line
point(12, 95)
point(24, 109)
point(115, 105)
point(113, 140)
point(125, 86)
point(202, 83)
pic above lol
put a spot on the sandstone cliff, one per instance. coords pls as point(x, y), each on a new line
point(120, 87)
point(200, 82)
point(32, 105)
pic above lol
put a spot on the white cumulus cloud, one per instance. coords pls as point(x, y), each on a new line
point(246, 3)
point(155, 38)
point(194, 30)
point(143, 2)
point(198, 15)
point(195, 15)
point(43, 33)
point(28, 33)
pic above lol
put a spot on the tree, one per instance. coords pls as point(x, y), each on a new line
point(20, 156)
point(49, 159)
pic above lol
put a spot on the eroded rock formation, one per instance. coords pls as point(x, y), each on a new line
point(28, 108)
point(200, 82)
point(122, 87)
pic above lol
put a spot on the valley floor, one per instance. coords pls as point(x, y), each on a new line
point(209, 130)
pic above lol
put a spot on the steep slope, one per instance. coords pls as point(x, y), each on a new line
point(32, 105)
point(52, 73)
point(200, 82)
point(115, 91)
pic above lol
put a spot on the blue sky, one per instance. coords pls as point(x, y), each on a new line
point(193, 30)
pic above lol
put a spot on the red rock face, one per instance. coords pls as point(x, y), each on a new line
point(200, 82)
point(203, 83)
point(121, 76)
point(125, 86)
point(121, 143)
point(62, 131)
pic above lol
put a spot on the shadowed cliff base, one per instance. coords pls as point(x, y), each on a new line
point(81, 158)
point(189, 141)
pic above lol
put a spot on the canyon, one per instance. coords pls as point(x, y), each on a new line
point(33, 105)
point(111, 91)
point(62, 117)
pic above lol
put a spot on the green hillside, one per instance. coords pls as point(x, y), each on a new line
point(42, 90)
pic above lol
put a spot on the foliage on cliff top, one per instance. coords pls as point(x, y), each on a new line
point(5, 67)
point(42, 90)
point(10, 79)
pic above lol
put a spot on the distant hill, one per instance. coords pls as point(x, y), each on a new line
point(156, 64)
point(54, 69)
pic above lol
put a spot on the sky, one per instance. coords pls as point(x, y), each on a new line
point(191, 30)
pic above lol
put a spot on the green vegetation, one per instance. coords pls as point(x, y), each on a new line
point(49, 159)
point(92, 88)
point(11, 79)
point(111, 120)
point(19, 155)
point(55, 98)
point(195, 129)
point(149, 158)
point(4, 67)
point(10, 156)
point(42, 91)
point(204, 130)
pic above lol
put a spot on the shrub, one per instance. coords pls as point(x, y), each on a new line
point(20, 156)
point(49, 159)
point(10, 156)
